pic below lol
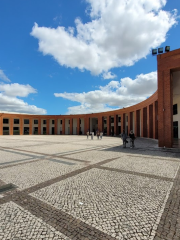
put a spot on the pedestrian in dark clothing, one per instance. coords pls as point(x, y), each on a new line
point(124, 137)
point(132, 138)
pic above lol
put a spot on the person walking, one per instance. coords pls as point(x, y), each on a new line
point(87, 134)
point(124, 137)
point(98, 134)
point(132, 138)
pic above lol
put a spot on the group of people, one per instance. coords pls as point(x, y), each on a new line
point(124, 138)
point(98, 134)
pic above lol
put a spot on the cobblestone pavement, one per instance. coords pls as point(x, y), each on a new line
point(74, 188)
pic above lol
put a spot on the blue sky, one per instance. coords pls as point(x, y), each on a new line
point(68, 57)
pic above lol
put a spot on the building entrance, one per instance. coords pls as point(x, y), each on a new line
point(175, 129)
point(93, 125)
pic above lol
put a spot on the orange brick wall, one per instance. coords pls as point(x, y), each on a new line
point(167, 63)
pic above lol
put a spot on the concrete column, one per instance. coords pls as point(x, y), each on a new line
point(47, 126)
point(150, 121)
point(21, 126)
point(39, 126)
point(156, 120)
point(100, 122)
point(30, 126)
point(129, 122)
point(142, 123)
point(1, 124)
point(63, 126)
point(145, 122)
point(55, 126)
point(135, 122)
point(78, 126)
point(86, 124)
point(165, 108)
point(71, 126)
point(122, 122)
point(108, 125)
point(115, 124)
point(11, 122)
point(138, 123)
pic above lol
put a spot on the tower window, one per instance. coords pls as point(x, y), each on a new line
point(5, 120)
point(175, 109)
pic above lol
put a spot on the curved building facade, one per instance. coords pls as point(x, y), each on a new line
point(157, 117)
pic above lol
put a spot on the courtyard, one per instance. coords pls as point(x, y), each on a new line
point(71, 187)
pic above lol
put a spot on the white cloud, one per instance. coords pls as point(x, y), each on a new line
point(116, 94)
point(10, 103)
point(3, 76)
point(120, 33)
point(16, 89)
point(109, 75)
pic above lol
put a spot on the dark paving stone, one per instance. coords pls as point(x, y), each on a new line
point(169, 225)
point(136, 173)
point(63, 222)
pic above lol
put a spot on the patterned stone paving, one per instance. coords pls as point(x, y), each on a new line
point(95, 156)
point(146, 165)
point(121, 210)
point(17, 223)
point(8, 156)
point(27, 175)
point(74, 188)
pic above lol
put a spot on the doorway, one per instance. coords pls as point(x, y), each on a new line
point(175, 129)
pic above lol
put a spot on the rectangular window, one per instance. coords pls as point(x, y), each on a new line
point(126, 118)
point(79, 121)
point(69, 121)
point(5, 130)
point(26, 130)
point(60, 121)
point(52, 121)
point(175, 109)
point(119, 119)
point(16, 121)
point(175, 129)
point(35, 121)
point(5, 120)
point(16, 130)
point(105, 121)
point(26, 121)
point(36, 130)
point(112, 120)
point(44, 121)
point(44, 130)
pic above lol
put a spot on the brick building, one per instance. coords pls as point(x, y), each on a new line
point(157, 117)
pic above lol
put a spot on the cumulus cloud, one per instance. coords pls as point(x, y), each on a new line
point(16, 89)
point(109, 75)
point(9, 101)
point(120, 33)
point(3, 76)
point(116, 94)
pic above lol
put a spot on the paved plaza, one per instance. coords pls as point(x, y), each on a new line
point(74, 188)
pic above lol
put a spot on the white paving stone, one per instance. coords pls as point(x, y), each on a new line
point(10, 156)
point(55, 148)
point(32, 173)
point(163, 168)
point(95, 156)
point(17, 223)
point(118, 204)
